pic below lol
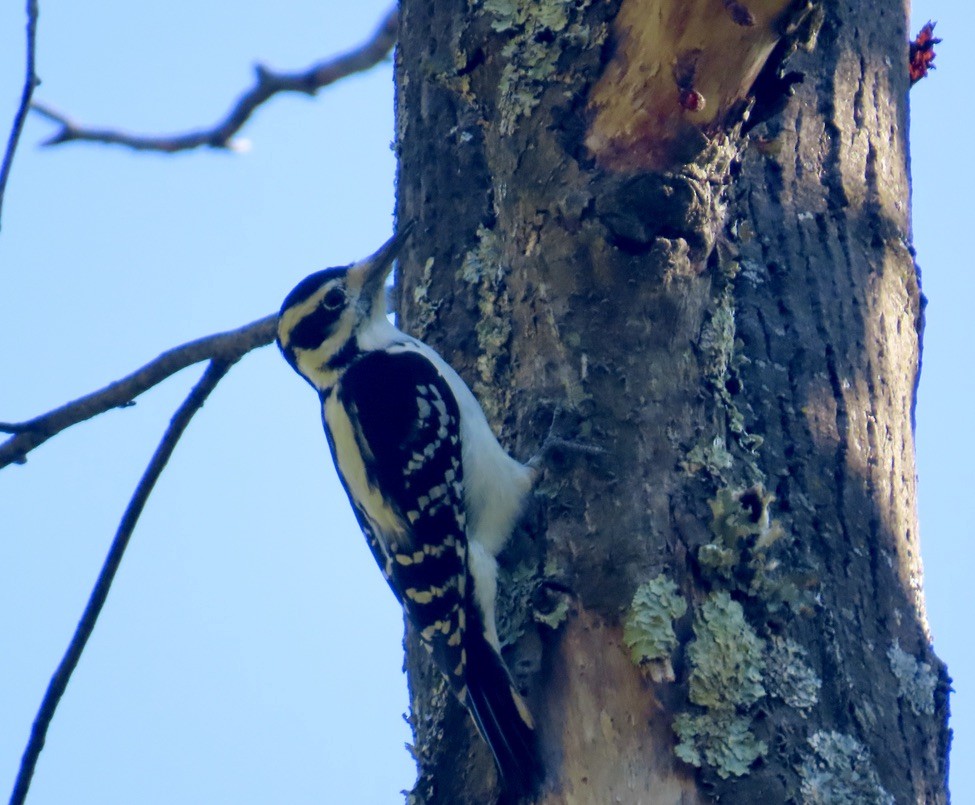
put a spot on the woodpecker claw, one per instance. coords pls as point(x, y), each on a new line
point(556, 443)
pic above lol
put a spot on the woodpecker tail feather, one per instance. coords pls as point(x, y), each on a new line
point(502, 716)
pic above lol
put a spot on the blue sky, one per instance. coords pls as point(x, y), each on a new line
point(249, 651)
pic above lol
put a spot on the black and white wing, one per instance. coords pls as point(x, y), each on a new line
point(394, 429)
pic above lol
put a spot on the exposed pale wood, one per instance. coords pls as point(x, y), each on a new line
point(664, 48)
point(615, 736)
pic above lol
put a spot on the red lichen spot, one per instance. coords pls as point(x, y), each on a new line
point(922, 53)
point(691, 100)
point(739, 13)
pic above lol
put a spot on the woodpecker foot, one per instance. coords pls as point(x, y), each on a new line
point(556, 446)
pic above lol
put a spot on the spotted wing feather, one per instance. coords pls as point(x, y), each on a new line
point(404, 420)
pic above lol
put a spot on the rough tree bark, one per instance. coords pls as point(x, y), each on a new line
point(617, 218)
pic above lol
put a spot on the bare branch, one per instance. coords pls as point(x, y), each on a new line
point(227, 347)
point(12, 427)
point(30, 81)
point(59, 682)
point(267, 84)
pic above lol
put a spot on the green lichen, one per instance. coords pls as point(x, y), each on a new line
point(556, 616)
point(838, 771)
point(516, 586)
point(742, 556)
point(722, 359)
point(915, 680)
point(723, 741)
point(530, 64)
point(427, 722)
point(649, 628)
point(744, 532)
point(424, 309)
point(726, 657)
point(717, 341)
point(727, 663)
point(540, 31)
point(484, 268)
point(712, 456)
point(732, 669)
point(552, 609)
point(787, 675)
point(513, 15)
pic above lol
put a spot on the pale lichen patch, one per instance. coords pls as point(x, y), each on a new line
point(484, 267)
point(788, 676)
point(838, 771)
point(649, 628)
point(726, 656)
point(916, 681)
point(554, 617)
point(540, 31)
point(723, 741)
point(516, 586)
point(743, 556)
point(424, 308)
point(727, 664)
point(720, 350)
point(712, 456)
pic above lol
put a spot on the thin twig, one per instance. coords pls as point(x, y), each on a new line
point(30, 81)
point(59, 682)
point(12, 427)
point(228, 346)
point(267, 83)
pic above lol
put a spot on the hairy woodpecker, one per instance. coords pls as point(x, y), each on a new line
point(435, 494)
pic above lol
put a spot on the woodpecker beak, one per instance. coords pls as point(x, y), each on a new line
point(374, 270)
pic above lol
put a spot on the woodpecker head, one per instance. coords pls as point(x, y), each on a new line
point(322, 318)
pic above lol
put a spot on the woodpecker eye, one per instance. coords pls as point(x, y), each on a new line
point(334, 299)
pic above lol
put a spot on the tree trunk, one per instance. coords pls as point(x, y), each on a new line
point(726, 604)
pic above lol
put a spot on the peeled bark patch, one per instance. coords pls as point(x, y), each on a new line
point(680, 74)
